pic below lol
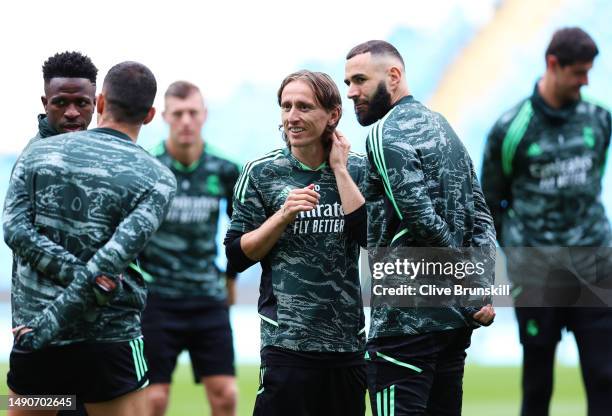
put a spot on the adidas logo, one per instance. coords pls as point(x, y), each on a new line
point(284, 193)
point(534, 150)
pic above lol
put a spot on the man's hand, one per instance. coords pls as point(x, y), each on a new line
point(43, 329)
point(338, 156)
point(105, 288)
point(19, 331)
point(485, 315)
point(299, 200)
point(105, 283)
point(25, 338)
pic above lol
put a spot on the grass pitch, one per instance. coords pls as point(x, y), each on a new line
point(487, 391)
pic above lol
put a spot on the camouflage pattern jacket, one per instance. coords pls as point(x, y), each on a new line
point(310, 296)
point(79, 205)
point(542, 174)
point(44, 129)
point(181, 255)
point(422, 192)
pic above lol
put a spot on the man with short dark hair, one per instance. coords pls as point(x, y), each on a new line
point(542, 178)
point(69, 102)
point(422, 192)
point(95, 198)
point(187, 306)
point(70, 89)
point(299, 211)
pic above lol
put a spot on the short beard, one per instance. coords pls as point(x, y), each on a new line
point(378, 106)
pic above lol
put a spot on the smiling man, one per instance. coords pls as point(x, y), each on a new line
point(298, 211)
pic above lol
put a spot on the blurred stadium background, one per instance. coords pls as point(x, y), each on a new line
point(469, 60)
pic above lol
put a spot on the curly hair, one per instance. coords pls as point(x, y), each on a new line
point(69, 65)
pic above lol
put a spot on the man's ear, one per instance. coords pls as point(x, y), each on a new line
point(394, 77)
point(100, 103)
point(150, 115)
point(552, 62)
point(44, 102)
point(335, 117)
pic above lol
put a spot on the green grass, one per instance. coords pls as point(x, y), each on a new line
point(487, 391)
point(496, 391)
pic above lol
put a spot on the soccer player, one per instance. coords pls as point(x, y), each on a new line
point(423, 192)
point(70, 94)
point(69, 103)
point(187, 307)
point(298, 211)
point(95, 198)
point(542, 177)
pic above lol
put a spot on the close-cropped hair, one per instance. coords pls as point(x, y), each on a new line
point(572, 45)
point(376, 48)
point(129, 91)
point(69, 65)
point(181, 89)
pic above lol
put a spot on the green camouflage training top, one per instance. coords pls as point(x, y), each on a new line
point(78, 205)
point(180, 258)
point(422, 192)
point(310, 296)
point(44, 129)
point(542, 174)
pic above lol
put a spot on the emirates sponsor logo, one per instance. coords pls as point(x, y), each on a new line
point(325, 218)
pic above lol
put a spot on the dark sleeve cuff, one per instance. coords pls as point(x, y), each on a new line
point(237, 261)
point(356, 224)
point(229, 209)
point(230, 272)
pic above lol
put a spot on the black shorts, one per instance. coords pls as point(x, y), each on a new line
point(173, 325)
point(543, 326)
point(417, 374)
point(94, 372)
point(306, 386)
